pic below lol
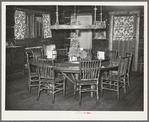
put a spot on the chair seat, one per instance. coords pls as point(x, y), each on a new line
point(88, 82)
point(34, 74)
point(111, 77)
point(34, 77)
point(114, 72)
point(57, 80)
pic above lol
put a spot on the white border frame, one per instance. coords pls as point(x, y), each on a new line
point(71, 115)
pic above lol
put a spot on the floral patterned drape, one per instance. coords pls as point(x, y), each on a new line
point(20, 26)
point(46, 26)
point(123, 28)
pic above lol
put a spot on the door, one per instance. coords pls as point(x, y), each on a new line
point(85, 36)
point(124, 34)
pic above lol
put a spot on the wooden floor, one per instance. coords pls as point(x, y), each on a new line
point(18, 98)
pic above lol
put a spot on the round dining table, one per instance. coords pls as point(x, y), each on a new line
point(73, 68)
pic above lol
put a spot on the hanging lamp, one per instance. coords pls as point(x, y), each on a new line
point(95, 9)
point(57, 20)
point(76, 25)
point(101, 13)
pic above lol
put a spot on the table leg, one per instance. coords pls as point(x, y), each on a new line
point(67, 77)
point(73, 80)
point(92, 93)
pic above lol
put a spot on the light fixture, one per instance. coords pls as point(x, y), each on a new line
point(101, 13)
point(95, 9)
point(57, 20)
point(74, 24)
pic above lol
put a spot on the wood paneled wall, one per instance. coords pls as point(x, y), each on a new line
point(58, 36)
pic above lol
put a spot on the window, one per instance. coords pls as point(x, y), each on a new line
point(31, 26)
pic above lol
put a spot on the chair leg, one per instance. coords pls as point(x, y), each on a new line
point(101, 88)
point(53, 97)
point(64, 88)
point(48, 92)
point(38, 95)
point(118, 91)
point(140, 68)
point(128, 81)
point(29, 88)
point(97, 94)
point(29, 85)
point(110, 82)
point(80, 95)
point(75, 90)
point(125, 87)
point(92, 93)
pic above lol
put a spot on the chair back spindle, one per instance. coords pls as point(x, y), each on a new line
point(28, 62)
point(46, 68)
point(90, 70)
point(130, 56)
point(46, 72)
point(36, 55)
point(111, 54)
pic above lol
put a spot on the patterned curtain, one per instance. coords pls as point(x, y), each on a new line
point(46, 26)
point(123, 28)
point(20, 26)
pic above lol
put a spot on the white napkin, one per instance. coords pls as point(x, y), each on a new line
point(101, 55)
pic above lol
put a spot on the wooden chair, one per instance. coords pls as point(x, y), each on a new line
point(130, 56)
point(62, 54)
point(116, 81)
point(48, 81)
point(33, 76)
point(89, 76)
point(111, 54)
point(36, 55)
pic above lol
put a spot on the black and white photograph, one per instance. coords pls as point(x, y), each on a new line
point(74, 60)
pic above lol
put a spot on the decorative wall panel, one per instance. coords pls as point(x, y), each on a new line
point(46, 26)
point(20, 25)
point(123, 28)
point(74, 40)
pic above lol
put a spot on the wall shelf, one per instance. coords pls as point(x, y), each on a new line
point(77, 27)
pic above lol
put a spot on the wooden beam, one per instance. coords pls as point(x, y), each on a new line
point(124, 12)
point(78, 26)
point(111, 32)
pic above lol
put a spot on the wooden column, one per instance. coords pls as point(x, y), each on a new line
point(111, 32)
point(137, 42)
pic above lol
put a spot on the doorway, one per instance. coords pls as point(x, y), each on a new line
point(124, 34)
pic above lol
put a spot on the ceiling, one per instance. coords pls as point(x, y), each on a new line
point(66, 11)
point(88, 9)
